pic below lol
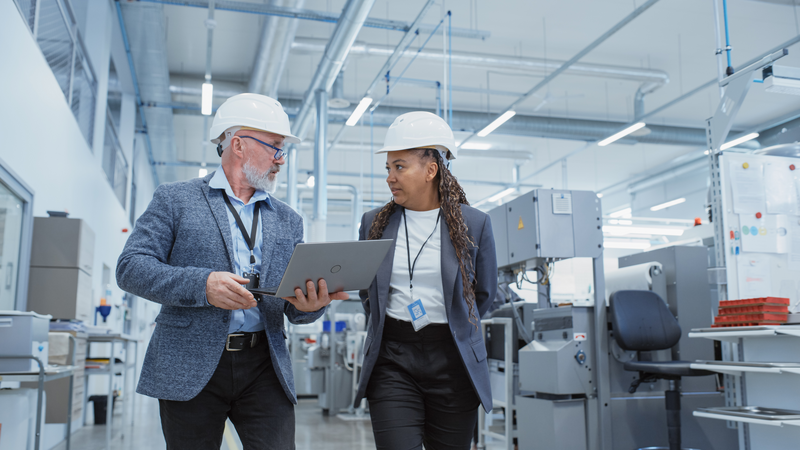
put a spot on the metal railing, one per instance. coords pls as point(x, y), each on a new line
point(115, 165)
point(52, 24)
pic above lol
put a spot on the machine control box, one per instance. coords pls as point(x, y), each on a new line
point(547, 223)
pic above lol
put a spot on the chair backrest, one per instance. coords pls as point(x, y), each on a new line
point(642, 321)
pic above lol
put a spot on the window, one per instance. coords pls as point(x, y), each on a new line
point(53, 25)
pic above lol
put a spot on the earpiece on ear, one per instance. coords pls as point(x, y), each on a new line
point(219, 149)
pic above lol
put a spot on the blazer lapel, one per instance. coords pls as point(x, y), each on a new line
point(449, 267)
point(218, 208)
point(269, 237)
point(385, 270)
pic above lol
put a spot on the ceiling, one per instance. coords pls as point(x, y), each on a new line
point(674, 36)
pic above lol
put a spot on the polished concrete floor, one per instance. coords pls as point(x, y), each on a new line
point(314, 431)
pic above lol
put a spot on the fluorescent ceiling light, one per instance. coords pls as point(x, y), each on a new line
point(621, 213)
point(625, 230)
point(497, 122)
point(599, 195)
point(735, 142)
point(629, 244)
point(500, 195)
point(666, 205)
point(202, 172)
point(207, 95)
point(474, 146)
point(359, 111)
point(621, 134)
point(310, 182)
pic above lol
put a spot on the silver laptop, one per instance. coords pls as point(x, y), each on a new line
point(345, 266)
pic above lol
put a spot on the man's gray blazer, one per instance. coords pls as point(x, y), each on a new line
point(180, 239)
point(467, 337)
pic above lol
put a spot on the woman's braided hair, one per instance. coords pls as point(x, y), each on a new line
point(451, 196)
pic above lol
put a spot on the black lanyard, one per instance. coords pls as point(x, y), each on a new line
point(251, 238)
point(408, 247)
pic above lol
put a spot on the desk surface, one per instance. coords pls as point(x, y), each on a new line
point(111, 337)
point(51, 372)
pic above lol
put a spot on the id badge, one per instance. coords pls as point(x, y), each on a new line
point(419, 318)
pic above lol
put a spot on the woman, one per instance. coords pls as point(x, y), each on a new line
point(425, 370)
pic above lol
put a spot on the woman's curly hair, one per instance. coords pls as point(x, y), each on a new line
point(451, 196)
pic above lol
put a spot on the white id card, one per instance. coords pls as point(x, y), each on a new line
point(419, 318)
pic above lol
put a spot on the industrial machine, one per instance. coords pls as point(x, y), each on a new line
point(573, 392)
point(334, 361)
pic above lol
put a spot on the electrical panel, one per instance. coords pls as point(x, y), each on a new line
point(547, 223)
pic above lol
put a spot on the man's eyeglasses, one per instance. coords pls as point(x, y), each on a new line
point(279, 152)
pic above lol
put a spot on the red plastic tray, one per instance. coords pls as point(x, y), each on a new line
point(779, 318)
point(754, 301)
point(781, 309)
point(743, 324)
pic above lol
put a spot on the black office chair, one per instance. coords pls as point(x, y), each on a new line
point(642, 322)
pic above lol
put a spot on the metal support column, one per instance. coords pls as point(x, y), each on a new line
point(319, 220)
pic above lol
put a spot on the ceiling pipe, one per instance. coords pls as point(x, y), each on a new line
point(320, 16)
point(537, 66)
point(276, 43)
point(350, 23)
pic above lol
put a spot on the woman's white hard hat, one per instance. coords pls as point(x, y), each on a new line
point(250, 111)
point(420, 129)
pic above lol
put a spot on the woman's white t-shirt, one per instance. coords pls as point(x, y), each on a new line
point(427, 271)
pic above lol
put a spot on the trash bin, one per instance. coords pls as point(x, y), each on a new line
point(100, 404)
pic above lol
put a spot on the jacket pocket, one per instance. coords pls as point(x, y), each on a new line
point(479, 348)
point(173, 320)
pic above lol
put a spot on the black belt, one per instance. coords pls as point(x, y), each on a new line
point(242, 341)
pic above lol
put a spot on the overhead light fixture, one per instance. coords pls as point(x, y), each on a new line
point(631, 244)
point(202, 172)
point(207, 95)
point(474, 146)
point(359, 111)
point(599, 195)
point(653, 231)
point(500, 195)
point(621, 213)
point(666, 205)
point(737, 141)
point(497, 122)
point(621, 134)
point(782, 80)
point(310, 181)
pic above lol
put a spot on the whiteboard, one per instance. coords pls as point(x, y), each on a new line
point(761, 219)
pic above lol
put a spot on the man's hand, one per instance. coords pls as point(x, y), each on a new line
point(315, 300)
point(224, 290)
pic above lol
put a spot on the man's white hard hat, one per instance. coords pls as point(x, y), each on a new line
point(420, 129)
point(249, 111)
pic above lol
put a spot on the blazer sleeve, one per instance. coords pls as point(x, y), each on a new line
point(485, 269)
point(362, 236)
point(142, 268)
point(294, 315)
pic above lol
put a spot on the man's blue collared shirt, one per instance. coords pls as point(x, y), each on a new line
point(247, 320)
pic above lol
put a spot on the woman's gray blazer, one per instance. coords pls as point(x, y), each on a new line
point(467, 337)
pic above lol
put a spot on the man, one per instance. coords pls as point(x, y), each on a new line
point(216, 352)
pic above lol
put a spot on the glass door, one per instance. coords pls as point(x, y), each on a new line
point(16, 229)
point(10, 244)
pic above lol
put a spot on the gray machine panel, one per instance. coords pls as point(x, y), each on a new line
point(587, 224)
point(522, 234)
point(547, 223)
point(500, 230)
point(555, 228)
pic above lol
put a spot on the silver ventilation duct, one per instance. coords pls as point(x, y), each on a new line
point(146, 26)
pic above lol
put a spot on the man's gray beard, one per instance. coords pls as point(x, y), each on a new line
point(260, 181)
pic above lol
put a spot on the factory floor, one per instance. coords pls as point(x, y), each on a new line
point(314, 431)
